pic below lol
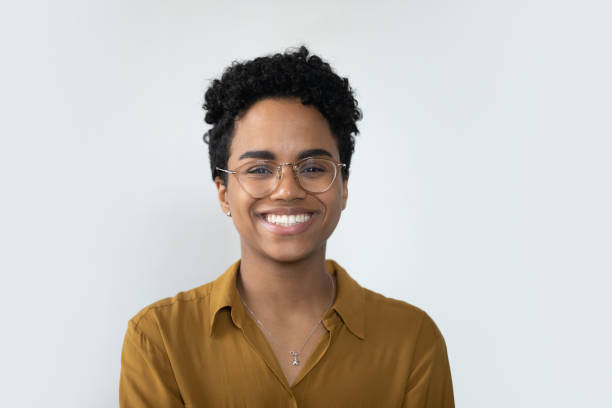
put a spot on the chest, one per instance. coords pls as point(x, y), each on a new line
point(294, 361)
point(334, 367)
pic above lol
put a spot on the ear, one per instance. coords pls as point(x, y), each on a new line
point(222, 194)
point(344, 192)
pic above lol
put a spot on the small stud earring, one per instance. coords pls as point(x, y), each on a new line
point(228, 213)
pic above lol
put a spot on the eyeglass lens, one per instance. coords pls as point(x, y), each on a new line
point(259, 178)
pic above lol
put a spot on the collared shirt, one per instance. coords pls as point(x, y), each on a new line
point(202, 349)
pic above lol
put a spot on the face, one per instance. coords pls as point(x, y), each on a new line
point(282, 130)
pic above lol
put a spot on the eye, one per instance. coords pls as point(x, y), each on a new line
point(260, 170)
point(312, 169)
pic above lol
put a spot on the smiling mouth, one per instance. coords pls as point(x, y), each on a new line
point(287, 220)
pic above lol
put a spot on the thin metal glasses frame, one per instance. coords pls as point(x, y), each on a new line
point(279, 166)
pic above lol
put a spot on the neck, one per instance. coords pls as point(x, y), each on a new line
point(285, 290)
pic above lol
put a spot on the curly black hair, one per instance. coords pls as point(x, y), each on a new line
point(295, 73)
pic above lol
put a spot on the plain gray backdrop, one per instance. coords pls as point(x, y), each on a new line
point(480, 187)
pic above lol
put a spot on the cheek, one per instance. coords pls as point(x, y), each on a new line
point(334, 204)
point(240, 202)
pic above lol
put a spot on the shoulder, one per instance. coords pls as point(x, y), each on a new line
point(389, 308)
point(398, 317)
point(184, 305)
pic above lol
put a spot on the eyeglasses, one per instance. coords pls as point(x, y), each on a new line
point(260, 178)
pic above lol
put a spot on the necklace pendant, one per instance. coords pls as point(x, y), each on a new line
point(295, 361)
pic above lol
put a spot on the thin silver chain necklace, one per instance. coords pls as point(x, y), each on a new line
point(292, 353)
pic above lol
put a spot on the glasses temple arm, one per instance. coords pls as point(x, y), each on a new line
point(226, 171)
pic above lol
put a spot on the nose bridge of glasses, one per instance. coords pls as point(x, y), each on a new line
point(279, 170)
point(293, 182)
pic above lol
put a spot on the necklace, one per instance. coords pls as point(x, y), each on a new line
point(294, 354)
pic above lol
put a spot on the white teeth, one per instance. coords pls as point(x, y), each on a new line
point(287, 220)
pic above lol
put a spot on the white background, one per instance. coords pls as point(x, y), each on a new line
point(480, 187)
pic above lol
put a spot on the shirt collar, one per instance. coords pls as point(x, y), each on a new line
point(349, 302)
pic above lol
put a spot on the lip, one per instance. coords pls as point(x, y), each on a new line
point(286, 211)
point(290, 230)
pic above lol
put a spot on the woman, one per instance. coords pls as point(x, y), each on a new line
point(283, 326)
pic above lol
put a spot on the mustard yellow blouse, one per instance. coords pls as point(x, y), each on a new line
point(202, 349)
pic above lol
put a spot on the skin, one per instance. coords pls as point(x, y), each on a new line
point(282, 277)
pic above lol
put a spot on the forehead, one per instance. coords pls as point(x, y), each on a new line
point(285, 127)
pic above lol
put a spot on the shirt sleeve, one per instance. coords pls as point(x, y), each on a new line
point(147, 379)
point(430, 384)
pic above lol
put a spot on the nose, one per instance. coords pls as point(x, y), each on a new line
point(288, 187)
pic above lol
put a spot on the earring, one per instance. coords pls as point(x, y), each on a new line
point(228, 213)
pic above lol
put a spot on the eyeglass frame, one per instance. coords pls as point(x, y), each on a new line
point(279, 173)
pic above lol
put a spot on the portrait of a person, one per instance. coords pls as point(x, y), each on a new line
point(284, 326)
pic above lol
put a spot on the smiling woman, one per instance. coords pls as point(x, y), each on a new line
point(283, 326)
point(287, 131)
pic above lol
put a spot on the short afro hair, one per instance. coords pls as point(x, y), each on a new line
point(295, 73)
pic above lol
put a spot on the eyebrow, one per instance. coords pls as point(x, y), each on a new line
point(258, 154)
point(268, 155)
point(313, 152)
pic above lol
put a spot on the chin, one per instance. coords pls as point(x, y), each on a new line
point(284, 253)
